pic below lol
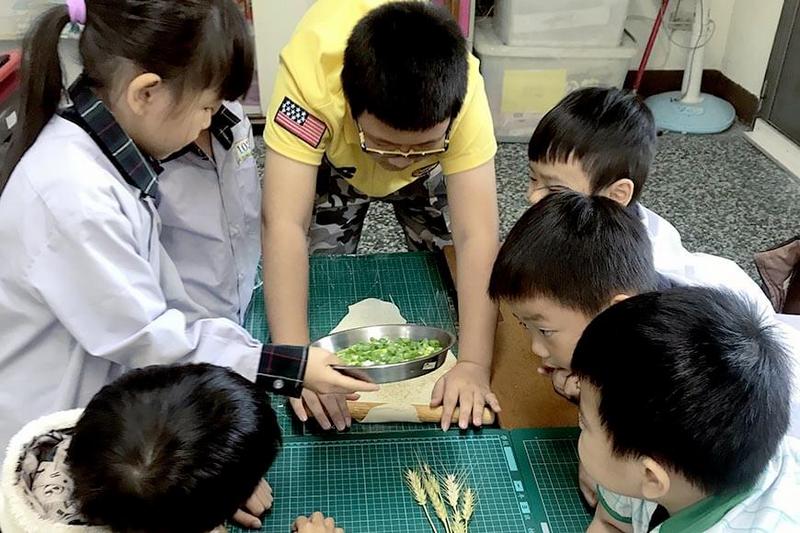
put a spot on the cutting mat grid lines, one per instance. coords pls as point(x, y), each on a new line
point(386, 427)
point(289, 425)
point(412, 281)
point(554, 464)
point(360, 483)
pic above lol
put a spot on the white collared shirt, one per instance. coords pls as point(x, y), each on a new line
point(211, 221)
point(684, 268)
point(770, 505)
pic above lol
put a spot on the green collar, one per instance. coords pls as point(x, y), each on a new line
point(705, 513)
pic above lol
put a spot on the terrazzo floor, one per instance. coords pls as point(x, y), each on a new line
point(722, 194)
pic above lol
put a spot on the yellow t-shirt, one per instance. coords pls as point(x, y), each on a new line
point(308, 116)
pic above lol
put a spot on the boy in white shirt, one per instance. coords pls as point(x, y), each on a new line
point(684, 406)
point(602, 141)
point(571, 256)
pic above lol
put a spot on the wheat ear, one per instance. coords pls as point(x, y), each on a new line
point(435, 495)
point(414, 483)
point(468, 507)
point(452, 491)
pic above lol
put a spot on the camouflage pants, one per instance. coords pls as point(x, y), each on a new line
point(339, 211)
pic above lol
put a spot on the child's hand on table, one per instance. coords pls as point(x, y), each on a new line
point(317, 523)
point(258, 503)
point(466, 385)
point(327, 409)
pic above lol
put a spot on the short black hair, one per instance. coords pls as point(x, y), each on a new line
point(692, 377)
point(406, 63)
point(611, 132)
point(169, 449)
point(577, 250)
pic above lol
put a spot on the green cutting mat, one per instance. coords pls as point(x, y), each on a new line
point(417, 282)
point(413, 281)
point(359, 481)
point(549, 463)
point(526, 480)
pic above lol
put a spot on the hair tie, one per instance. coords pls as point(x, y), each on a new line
point(77, 11)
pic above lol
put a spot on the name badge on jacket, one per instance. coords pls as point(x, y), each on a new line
point(244, 151)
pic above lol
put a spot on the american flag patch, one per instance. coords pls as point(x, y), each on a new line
point(300, 122)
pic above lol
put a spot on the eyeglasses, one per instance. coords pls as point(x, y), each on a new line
point(410, 154)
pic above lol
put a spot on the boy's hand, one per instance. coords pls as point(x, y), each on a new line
point(320, 376)
point(317, 523)
point(324, 408)
point(258, 503)
point(588, 486)
point(466, 385)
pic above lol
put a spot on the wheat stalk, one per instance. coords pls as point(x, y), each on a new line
point(433, 490)
point(444, 493)
point(468, 507)
point(441, 513)
point(452, 491)
point(414, 483)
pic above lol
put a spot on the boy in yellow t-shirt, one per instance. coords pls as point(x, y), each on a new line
point(378, 100)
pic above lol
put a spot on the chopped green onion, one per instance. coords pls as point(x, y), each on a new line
point(385, 351)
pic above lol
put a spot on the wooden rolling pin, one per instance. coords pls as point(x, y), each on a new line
point(425, 413)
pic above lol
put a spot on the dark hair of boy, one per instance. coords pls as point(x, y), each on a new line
point(406, 63)
point(192, 45)
point(610, 132)
point(693, 378)
point(172, 449)
point(580, 251)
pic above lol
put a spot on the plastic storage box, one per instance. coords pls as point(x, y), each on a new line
point(560, 22)
point(523, 83)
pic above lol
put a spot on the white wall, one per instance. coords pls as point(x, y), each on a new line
point(669, 56)
point(740, 47)
point(274, 24)
point(750, 39)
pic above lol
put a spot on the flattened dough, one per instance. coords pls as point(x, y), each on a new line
point(370, 312)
